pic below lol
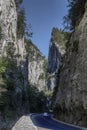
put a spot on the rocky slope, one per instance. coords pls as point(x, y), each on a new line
point(56, 51)
point(71, 98)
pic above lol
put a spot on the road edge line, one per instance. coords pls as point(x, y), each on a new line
point(83, 128)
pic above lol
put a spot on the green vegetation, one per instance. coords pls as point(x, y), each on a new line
point(28, 41)
point(10, 50)
point(3, 90)
point(18, 3)
point(32, 50)
point(48, 93)
point(20, 76)
point(76, 9)
point(7, 79)
point(29, 49)
point(67, 37)
point(4, 99)
point(10, 74)
point(37, 99)
point(45, 65)
point(3, 66)
point(75, 13)
point(20, 19)
point(7, 86)
point(42, 76)
point(21, 25)
point(54, 35)
point(57, 36)
point(23, 30)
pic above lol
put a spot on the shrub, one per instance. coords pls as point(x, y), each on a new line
point(42, 76)
point(3, 65)
point(37, 99)
point(67, 36)
point(4, 99)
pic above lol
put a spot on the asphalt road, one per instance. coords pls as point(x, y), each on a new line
point(47, 123)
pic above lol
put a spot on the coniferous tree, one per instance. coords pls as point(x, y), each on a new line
point(75, 13)
point(18, 3)
point(22, 28)
point(21, 24)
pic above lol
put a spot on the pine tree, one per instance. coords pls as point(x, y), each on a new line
point(21, 24)
point(75, 13)
point(18, 3)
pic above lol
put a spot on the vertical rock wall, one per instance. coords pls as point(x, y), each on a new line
point(17, 52)
point(71, 99)
point(54, 63)
point(56, 52)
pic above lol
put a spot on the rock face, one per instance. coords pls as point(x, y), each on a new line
point(25, 62)
point(54, 63)
point(8, 23)
point(36, 66)
point(56, 51)
point(71, 99)
point(14, 50)
point(37, 73)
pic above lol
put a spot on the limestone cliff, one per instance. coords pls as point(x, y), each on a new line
point(71, 100)
point(20, 63)
point(37, 64)
point(24, 62)
point(8, 23)
point(56, 51)
point(13, 50)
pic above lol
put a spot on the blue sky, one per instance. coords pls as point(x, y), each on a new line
point(43, 16)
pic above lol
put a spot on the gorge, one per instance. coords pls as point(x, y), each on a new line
point(22, 66)
point(29, 83)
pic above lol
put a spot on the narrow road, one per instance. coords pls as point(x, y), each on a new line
point(46, 123)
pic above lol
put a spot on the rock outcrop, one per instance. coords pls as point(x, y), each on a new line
point(14, 51)
point(8, 23)
point(71, 100)
point(25, 62)
point(37, 65)
point(56, 51)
